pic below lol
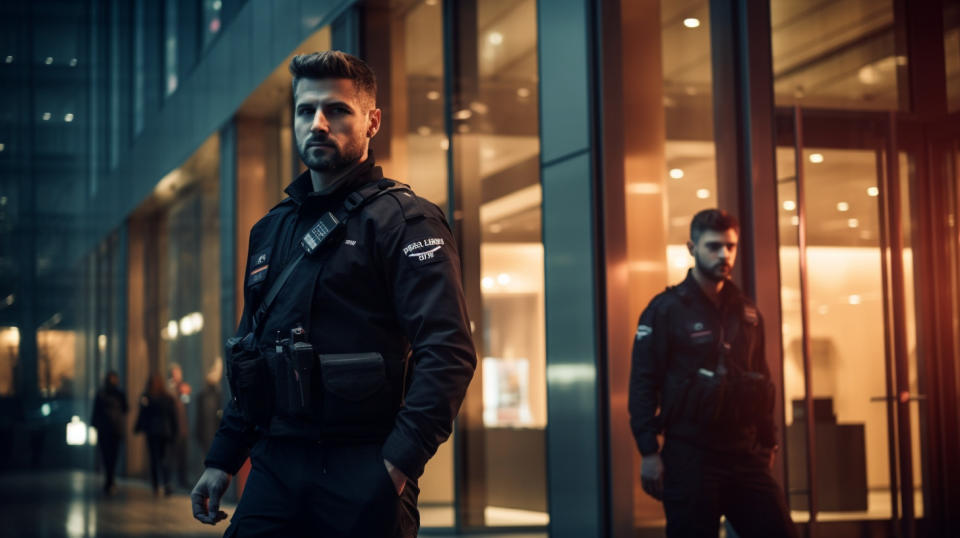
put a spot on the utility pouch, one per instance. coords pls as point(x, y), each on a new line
point(753, 399)
point(704, 398)
point(248, 375)
point(355, 390)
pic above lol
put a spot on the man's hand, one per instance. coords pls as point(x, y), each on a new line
point(651, 476)
point(399, 479)
point(206, 495)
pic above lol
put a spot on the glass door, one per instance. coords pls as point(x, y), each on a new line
point(852, 392)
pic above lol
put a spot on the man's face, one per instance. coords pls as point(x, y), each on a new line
point(333, 122)
point(715, 253)
point(176, 374)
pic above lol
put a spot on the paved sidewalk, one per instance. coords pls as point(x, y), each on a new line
point(54, 504)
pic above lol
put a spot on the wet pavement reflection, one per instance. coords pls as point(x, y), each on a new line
point(72, 504)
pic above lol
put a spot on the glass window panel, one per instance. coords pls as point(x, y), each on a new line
point(669, 161)
point(951, 49)
point(9, 355)
point(836, 54)
point(496, 154)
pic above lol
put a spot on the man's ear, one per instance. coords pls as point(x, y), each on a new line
point(690, 246)
point(373, 118)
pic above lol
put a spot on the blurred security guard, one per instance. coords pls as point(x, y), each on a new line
point(353, 353)
point(698, 357)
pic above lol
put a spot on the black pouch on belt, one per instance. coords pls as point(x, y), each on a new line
point(294, 373)
point(249, 374)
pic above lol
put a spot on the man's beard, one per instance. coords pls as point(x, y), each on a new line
point(713, 272)
point(335, 158)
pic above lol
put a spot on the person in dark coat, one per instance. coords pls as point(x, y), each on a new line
point(158, 420)
point(109, 418)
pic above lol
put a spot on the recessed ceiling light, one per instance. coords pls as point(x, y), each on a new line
point(873, 191)
point(691, 22)
point(464, 114)
point(68, 117)
point(46, 116)
point(9, 59)
point(816, 158)
point(703, 194)
point(2, 146)
point(486, 282)
point(789, 205)
point(676, 173)
point(843, 207)
point(503, 279)
point(523, 93)
point(853, 299)
point(433, 95)
point(495, 38)
point(73, 62)
point(49, 60)
point(853, 223)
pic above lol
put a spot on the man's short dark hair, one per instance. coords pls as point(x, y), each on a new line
point(716, 220)
point(335, 64)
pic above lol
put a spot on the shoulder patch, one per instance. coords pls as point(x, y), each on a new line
point(259, 264)
point(643, 331)
point(425, 251)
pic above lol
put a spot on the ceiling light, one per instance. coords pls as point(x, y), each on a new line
point(445, 144)
point(795, 220)
point(49, 60)
point(73, 62)
point(789, 205)
point(462, 114)
point(68, 117)
point(433, 95)
point(523, 93)
point(873, 191)
point(486, 283)
point(9, 59)
point(432, 2)
point(816, 158)
point(853, 223)
point(843, 207)
point(503, 279)
point(868, 75)
point(217, 4)
point(691, 22)
point(676, 173)
point(2, 146)
point(46, 116)
point(703, 194)
point(495, 38)
point(853, 299)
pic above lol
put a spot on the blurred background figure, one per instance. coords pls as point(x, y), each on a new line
point(109, 416)
point(158, 420)
point(209, 407)
point(180, 390)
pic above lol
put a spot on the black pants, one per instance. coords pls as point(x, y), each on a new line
point(699, 486)
point(159, 461)
point(109, 446)
point(302, 488)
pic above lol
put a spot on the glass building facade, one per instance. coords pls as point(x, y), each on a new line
point(570, 143)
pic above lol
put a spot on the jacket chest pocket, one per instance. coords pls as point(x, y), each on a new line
point(356, 389)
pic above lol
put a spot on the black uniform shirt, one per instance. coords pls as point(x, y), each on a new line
point(680, 332)
point(390, 284)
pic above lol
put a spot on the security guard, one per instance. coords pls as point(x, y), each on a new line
point(698, 359)
point(353, 353)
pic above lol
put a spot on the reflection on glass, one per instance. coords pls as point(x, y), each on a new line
point(838, 54)
point(412, 147)
point(951, 49)
point(170, 49)
point(496, 158)
point(669, 161)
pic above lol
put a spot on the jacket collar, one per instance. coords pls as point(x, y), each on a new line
point(301, 189)
point(730, 294)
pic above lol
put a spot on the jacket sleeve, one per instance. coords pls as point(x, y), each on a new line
point(647, 371)
point(766, 429)
point(234, 438)
point(422, 269)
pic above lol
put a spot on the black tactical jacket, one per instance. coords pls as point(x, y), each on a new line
point(679, 340)
point(390, 283)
